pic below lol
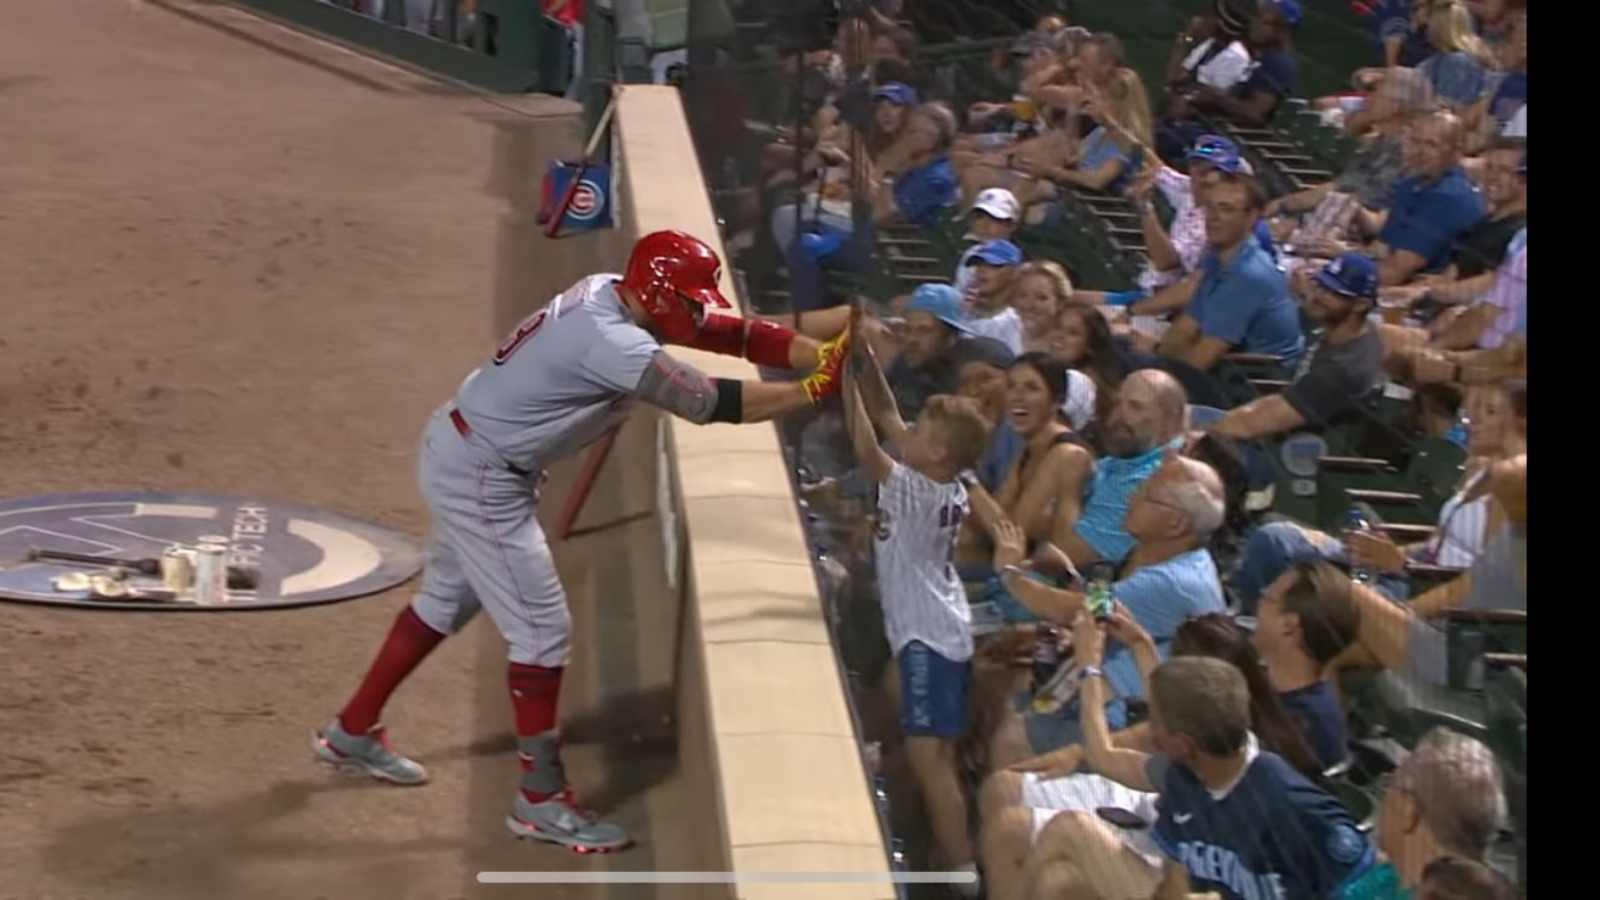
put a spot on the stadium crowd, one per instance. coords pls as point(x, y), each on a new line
point(1131, 639)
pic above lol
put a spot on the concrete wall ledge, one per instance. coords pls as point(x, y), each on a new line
point(757, 669)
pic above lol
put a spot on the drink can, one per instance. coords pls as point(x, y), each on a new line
point(177, 570)
point(210, 575)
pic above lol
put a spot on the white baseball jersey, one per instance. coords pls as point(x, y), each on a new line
point(1223, 71)
point(1004, 326)
point(922, 597)
point(562, 378)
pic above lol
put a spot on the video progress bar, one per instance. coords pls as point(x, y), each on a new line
point(727, 877)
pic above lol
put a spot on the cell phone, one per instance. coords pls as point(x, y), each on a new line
point(1098, 593)
point(1121, 818)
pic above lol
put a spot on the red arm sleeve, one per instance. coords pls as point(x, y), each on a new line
point(763, 343)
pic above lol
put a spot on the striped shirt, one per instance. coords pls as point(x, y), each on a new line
point(1463, 525)
point(922, 597)
point(1509, 294)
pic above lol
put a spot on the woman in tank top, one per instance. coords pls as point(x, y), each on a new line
point(1497, 417)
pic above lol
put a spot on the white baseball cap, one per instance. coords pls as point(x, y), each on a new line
point(1000, 203)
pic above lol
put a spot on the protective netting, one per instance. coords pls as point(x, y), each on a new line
point(1268, 260)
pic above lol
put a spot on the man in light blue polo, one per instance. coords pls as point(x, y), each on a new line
point(1146, 421)
point(1237, 301)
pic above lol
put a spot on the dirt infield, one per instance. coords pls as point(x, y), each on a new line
point(253, 267)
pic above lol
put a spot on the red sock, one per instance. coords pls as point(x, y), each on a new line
point(534, 692)
point(409, 641)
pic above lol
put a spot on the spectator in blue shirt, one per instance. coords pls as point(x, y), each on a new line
point(1273, 69)
point(981, 364)
point(1401, 27)
point(1146, 419)
point(1238, 300)
point(1110, 155)
point(1493, 113)
point(1460, 66)
point(1303, 624)
point(1170, 578)
point(1236, 819)
point(922, 191)
point(1433, 206)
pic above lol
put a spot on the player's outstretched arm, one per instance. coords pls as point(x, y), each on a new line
point(765, 342)
point(684, 391)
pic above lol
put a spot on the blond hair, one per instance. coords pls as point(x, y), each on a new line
point(1451, 30)
point(1128, 108)
point(1049, 269)
point(962, 430)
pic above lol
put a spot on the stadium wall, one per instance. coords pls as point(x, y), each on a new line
point(765, 732)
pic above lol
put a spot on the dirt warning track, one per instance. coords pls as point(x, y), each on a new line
point(252, 267)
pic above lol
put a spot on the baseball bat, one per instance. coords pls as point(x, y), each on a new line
point(583, 484)
point(239, 578)
point(583, 166)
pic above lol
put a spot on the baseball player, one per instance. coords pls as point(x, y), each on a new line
point(564, 376)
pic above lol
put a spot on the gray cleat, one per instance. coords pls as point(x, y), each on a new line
point(369, 753)
point(560, 821)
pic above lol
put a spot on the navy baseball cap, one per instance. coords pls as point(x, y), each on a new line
point(998, 252)
point(986, 350)
point(1352, 275)
point(1220, 153)
point(895, 92)
point(1292, 14)
point(942, 302)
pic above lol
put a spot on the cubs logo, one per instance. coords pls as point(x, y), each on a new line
point(587, 201)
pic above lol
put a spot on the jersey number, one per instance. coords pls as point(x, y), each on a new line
point(519, 337)
point(949, 517)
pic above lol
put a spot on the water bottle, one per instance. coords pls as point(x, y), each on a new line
point(1046, 655)
point(1354, 521)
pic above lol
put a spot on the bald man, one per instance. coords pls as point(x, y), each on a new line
point(1432, 206)
point(1147, 418)
point(1169, 578)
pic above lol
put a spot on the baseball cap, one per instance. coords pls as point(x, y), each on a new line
point(1234, 15)
point(1000, 203)
point(998, 252)
point(940, 301)
point(986, 350)
point(1350, 275)
point(1292, 14)
point(897, 93)
point(1220, 153)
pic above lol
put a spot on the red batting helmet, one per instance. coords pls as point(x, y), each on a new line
point(668, 271)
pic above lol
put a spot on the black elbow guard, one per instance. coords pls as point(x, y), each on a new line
point(730, 401)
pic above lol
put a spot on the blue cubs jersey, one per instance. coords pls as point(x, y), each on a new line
point(1272, 836)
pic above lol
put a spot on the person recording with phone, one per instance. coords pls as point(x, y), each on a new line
point(1168, 578)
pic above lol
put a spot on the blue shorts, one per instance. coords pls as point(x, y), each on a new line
point(933, 692)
